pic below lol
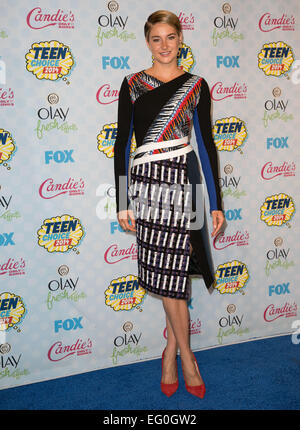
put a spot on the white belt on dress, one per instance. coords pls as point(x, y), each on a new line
point(161, 150)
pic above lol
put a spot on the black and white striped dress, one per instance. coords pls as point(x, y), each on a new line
point(162, 192)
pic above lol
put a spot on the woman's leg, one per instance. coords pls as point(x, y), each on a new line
point(169, 369)
point(178, 316)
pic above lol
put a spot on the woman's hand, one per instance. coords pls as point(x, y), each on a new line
point(218, 220)
point(123, 220)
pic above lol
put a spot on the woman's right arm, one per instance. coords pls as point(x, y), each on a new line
point(121, 154)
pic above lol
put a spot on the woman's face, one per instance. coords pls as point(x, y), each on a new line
point(164, 43)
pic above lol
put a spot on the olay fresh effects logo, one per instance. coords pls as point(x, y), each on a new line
point(277, 257)
point(273, 312)
point(277, 209)
point(106, 206)
point(7, 147)
point(63, 288)
point(127, 343)
point(59, 351)
point(221, 91)
point(231, 325)
point(270, 171)
point(230, 277)
point(107, 137)
point(125, 294)
point(38, 19)
point(225, 26)
point(269, 22)
point(275, 58)
point(275, 110)
point(9, 363)
point(49, 189)
point(7, 211)
point(60, 233)
point(230, 183)
point(49, 60)
point(114, 254)
point(112, 25)
point(229, 134)
point(53, 119)
point(12, 311)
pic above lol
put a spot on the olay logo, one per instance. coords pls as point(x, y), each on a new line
point(106, 95)
point(114, 254)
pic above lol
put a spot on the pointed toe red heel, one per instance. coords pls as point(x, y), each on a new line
point(168, 389)
point(196, 390)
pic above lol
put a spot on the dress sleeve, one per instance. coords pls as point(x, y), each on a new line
point(206, 147)
point(122, 146)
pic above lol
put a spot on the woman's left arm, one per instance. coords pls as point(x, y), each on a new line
point(208, 155)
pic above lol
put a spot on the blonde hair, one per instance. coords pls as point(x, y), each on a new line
point(163, 16)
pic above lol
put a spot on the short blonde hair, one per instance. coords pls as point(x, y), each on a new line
point(163, 16)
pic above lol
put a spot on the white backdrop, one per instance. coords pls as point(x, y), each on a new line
point(70, 301)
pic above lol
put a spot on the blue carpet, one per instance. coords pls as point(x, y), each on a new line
point(257, 375)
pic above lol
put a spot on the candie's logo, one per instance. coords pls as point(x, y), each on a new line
point(231, 277)
point(275, 58)
point(277, 209)
point(7, 146)
point(106, 140)
point(12, 310)
point(49, 60)
point(229, 133)
point(60, 233)
point(124, 293)
point(285, 168)
point(59, 351)
point(37, 19)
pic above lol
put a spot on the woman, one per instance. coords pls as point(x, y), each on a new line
point(160, 105)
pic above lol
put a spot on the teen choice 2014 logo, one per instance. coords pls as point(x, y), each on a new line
point(229, 133)
point(231, 277)
point(185, 58)
point(50, 60)
point(7, 146)
point(12, 310)
point(106, 140)
point(124, 294)
point(60, 233)
point(277, 209)
point(275, 58)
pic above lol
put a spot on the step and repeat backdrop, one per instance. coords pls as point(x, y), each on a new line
point(70, 301)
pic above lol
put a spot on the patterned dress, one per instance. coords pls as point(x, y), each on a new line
point(158, 112)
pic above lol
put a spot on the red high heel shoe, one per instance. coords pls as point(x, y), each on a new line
point(168, 389)
point(196, 390)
